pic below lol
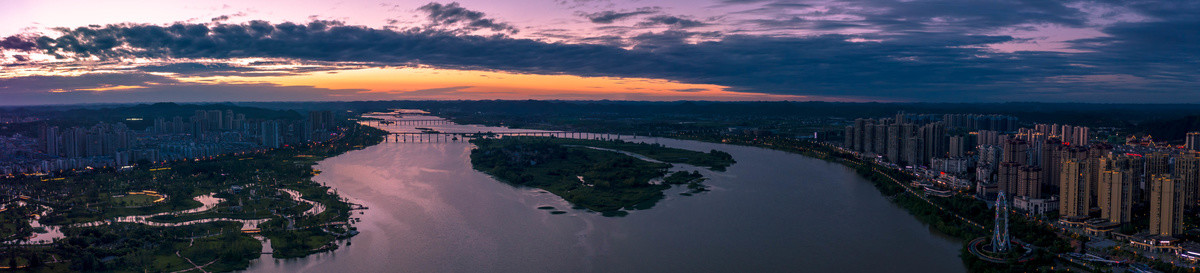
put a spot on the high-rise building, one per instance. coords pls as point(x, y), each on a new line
point(213, 119)
point(1158, 163)
point(868, 132)
point(1187, 171)
point(160, 125)
point(49, 140)
point(239, 122)
point(179, 127)
point(880, 140)
point(271, 134)
point(857, 144)
point(1081, 136)
point(321, 120)
point(849, 137)
point(958, 146)
point(894, 141)
point(1092, 169)
point(1193, 141)
point(1166, 206)
point(74, 142)
point(1066, 133)
point(1029, 182)
point(907, 132)
point(934, 135)
point(227, 121)
point(1008, 177)
point(1051, 161)
point(1073, 189)
point(1116, 200)
point(1042, 128)
point(1016, 150)
point(987, 137)
point(915, 151)
point(990, 155)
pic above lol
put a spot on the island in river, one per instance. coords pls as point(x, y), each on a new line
point(599, 175)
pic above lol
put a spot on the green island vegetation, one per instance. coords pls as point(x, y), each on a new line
point(694, 181)
point(599, 180)
point(249, 184)
point(714, 160)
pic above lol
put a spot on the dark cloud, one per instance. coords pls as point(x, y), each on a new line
point(608, 40)
point(1165, 47)
point(610, 16)
point(18, 42)
point(650, 41)
point(180, 92)
point(672, 21)
point(226, 17)
point(45, 84)
point(255, 69)
point(816, 65)
point(585, 3)
point(40, 90)
point(454, 14)
point(917, 15)
point(196, 68)
point(435, 91)
point(743, 1)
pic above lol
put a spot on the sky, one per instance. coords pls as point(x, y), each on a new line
point(1099, 51)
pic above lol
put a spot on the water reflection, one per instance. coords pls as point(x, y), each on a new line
point(773, 212)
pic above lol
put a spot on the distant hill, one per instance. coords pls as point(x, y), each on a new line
point(1171, 130)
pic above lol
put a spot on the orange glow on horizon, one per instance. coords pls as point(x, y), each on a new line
point(431, 83)
point(110, 88)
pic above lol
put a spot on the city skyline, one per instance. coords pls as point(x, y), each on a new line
point(63, 52)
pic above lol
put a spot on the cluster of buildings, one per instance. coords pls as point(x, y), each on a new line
point(207, 133)
point(912, 139)
point(6, 118)
point(1095, 188)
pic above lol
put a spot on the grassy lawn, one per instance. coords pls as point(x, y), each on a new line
point(134, 200)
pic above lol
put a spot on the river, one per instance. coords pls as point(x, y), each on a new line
point(770, 212)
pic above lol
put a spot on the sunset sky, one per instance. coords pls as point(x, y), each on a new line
point(59, 52)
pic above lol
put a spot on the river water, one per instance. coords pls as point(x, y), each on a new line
point(770, 212)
